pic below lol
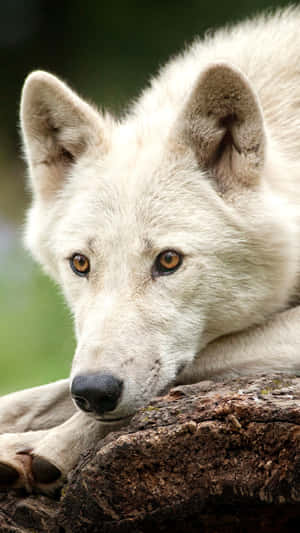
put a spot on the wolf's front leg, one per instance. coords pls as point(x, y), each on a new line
point(270, 347)
point(36, 408)
point(40, 460)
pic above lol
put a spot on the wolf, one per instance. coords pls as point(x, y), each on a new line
point(173, 232)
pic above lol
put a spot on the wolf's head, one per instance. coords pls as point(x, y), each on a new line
point(161, 229)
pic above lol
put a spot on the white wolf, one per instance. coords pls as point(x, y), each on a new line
point(174, 234)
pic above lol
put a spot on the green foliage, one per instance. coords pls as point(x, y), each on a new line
point(36, 340)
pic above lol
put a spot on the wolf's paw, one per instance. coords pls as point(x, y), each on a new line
point(20, 467)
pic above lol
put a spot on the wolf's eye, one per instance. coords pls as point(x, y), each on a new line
point(167, 262)
point(80, 264)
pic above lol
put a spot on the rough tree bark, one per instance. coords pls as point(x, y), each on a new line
point(211, 457)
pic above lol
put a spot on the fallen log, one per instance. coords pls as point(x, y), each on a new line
point(210, 457)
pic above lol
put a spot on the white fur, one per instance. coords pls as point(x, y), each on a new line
point(206, 163)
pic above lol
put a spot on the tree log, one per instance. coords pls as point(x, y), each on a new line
point(210, 457)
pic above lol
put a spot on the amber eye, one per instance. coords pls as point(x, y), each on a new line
point(167, 262)
point(80, 264)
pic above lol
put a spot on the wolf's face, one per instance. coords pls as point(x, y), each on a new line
point(160, 230)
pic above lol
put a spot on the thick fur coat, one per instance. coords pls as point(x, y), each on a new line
point(173, 232)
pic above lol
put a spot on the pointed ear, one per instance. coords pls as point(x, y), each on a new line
point(223, 123)
point(57, 127)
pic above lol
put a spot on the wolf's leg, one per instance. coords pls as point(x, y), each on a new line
point(37, 408)
point(40, 460)
point(270, 347)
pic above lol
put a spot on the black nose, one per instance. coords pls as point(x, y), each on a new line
point(98, 393)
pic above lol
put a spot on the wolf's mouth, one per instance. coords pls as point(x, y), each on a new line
point(113, 420)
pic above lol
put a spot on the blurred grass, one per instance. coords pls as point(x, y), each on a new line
point(36, 338)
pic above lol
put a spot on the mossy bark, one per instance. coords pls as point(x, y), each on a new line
point(211, 457)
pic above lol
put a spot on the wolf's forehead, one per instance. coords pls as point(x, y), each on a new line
point(133, 182)
point(140, 196)
point(121, 208)
point(137, 194)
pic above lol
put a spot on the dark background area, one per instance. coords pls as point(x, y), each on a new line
point(107, 52)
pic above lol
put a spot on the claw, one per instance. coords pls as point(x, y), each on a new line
point(43, 471)
point(22, 468)
point(8, 475)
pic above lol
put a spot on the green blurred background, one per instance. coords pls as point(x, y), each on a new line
point(107, 51)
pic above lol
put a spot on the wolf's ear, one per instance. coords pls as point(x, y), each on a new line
point(223, 123)
point(57, 128)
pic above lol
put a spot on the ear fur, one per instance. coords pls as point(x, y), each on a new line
point(223, 123)
point(57, 128)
